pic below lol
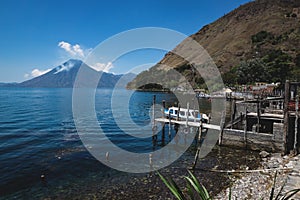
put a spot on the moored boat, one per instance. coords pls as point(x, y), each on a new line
point(202, 95)
point(183, 114)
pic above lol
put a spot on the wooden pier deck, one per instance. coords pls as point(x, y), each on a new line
point(189, 123)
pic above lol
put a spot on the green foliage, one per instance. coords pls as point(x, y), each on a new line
point(195, 190)
point(295, 74)
point(251, 71)
point(229, 78)
point(275, 66)
point(151, 86)
point(278, 65)
point(199, 188)
point(261, 36)
point(183, 68)
point(172, 187)
point(199, 80)
point(297, 60)
point(285, 196)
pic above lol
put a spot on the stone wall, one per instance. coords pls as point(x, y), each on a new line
point(254, 141)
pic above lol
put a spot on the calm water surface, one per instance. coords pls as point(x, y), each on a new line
point(38, 138)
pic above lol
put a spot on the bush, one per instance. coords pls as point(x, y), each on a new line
point(261, 36)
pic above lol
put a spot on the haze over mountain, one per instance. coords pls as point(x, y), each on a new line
point(64, 76)
point(261, 37)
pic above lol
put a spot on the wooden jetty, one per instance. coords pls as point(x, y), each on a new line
point(201, 127)
point(270, 124)
point(189, 123)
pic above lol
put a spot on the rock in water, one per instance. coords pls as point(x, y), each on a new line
point(264, 154)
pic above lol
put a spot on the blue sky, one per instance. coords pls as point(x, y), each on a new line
point(38, 35)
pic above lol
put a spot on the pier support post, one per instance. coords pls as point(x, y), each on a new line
point(286, 115)
point(195, 116)
point(163, 123)
point(187, 114)
point(164, 107)
point(258, 115)
point(233, 111)
point(170, 125)
point(154, 128)
point(245, 128)
point(107, 156)
point(153, 110)
point(222, 123)
point(178, 112)
point(150, 161)
point(199, 146)
point(296, 124)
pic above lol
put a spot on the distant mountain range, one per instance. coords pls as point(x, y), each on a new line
point(64, 76)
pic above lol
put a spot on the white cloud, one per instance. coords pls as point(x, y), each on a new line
point(73, 50)
point(105, 67)
point(76, 51)
point(36, 73)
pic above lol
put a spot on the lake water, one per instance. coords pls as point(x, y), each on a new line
point(38, 138)
point(41, 154)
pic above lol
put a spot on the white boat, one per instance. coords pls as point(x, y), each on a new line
point(191, 114)
point(202, 95)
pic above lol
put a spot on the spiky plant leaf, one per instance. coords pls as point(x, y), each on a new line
point(273, 187)
point(289, 194)
point(201, 190)
point(195, 180)
point(172, 187)
point(190, 192)
point(200, 187)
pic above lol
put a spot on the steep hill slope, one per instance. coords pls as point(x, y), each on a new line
point(252, 31)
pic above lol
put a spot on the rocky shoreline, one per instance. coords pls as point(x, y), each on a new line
point(150, 186)
point(248, 181)
point(248, 174)
point(257, 184)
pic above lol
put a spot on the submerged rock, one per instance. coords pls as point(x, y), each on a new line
point(264, 154)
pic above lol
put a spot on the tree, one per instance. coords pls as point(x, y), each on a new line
point(229, 78)
point(278, 65)
point(253, 70)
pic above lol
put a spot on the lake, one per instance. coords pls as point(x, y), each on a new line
point(41, 154)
